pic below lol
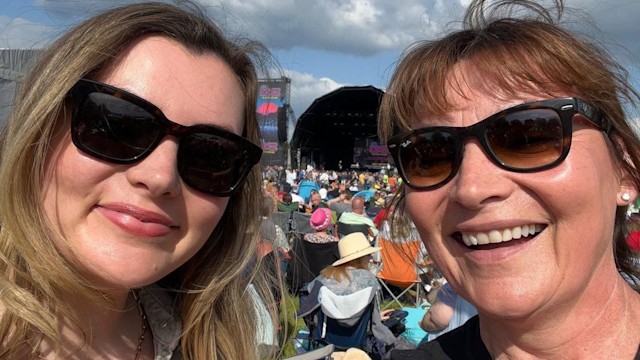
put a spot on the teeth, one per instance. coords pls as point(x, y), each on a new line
point(498, 236)
point(495, 236)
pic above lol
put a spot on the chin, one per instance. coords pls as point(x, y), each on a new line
point(507, 304)
point(123, 277)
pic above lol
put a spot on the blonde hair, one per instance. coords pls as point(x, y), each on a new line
point(340, 271)
point(520, 46)
point(211, 286)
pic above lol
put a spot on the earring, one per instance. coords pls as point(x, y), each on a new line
point(625, 196)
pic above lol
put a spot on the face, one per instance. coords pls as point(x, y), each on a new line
point(570, 208)
point(129, 225)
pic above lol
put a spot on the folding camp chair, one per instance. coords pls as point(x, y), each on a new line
point(283, 219)
point(341, 320)
point(307, 260)
point(400, 259)
point(346, 229)
point(300, 223)
point(323, 353)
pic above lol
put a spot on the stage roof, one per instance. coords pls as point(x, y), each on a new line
point(340, 116)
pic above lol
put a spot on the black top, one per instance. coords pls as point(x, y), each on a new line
point(463, 343)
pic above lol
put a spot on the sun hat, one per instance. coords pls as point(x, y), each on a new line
point(353, 246)
point(380, 202)
point(350, 354)
point(320, 219)
point(323, 193)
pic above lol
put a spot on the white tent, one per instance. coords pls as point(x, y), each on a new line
point(14, 64)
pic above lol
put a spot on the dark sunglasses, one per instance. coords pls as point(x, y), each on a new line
point(116, 126)
point(525, 138)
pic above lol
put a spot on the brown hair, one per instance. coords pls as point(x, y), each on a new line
point(535, 53)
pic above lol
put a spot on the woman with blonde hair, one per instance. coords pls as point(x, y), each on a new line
point(350, 274)
point(519, 164)
point(128, 192)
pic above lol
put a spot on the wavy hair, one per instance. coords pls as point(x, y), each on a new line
point(520, 46)
point(211, 286)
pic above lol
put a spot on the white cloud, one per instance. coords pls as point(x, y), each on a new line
point(305, 88)
point(21, 33)
point(358, 27)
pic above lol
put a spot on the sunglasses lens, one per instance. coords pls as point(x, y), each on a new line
point(211, 163)
point(526, 139)
point(114, 128)
point(427, 158)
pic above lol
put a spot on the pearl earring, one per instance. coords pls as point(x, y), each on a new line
point(625, 196)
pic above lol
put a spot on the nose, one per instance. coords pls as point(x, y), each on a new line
point(158, 172)
point(479, 181)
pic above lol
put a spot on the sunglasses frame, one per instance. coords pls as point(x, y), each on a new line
point(84, 87)
point(566, 108)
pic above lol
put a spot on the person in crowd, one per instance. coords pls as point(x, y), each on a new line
point(342, 203)
point(633, 239)
point(295, 197)
point(357, 215)
point(129, 193)
point(269, 231)
point(518, 165)
point(351, 273)
point(334, 190)
point(449, 311)
point(320, 222)
point(374, 205)
point(384, 214)
point(315, 202)
point(272, 189)
point(323, 193)
point(287, 204)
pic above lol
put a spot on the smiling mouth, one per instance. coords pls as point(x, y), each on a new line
point(524, 232)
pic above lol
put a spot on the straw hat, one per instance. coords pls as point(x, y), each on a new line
point(350, 354)
point(353, 246)
point(320, 219)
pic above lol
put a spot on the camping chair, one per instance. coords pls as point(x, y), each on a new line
point(300, 223)
point(283, 220)
point(346, 229)
point(399, 265)
point(323, 353)
point(341, 320)
point(307, 260)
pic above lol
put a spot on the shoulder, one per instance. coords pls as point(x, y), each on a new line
point(160, 307)
point(463, 343)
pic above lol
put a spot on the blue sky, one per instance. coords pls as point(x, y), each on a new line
point(323, 45)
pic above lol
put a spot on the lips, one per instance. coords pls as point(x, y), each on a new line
point(500, 235)
point(137, 221)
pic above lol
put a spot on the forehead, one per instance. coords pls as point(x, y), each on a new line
point(189, 88)
point(471, 94)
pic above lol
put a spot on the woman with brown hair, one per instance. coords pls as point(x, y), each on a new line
point(519, 163)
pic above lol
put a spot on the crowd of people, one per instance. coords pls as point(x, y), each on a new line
point(134, 223)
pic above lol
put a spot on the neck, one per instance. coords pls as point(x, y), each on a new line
point(603, 321)
point(101, 332)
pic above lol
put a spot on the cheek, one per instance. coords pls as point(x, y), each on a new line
point(70, 176)
point(204, 213)
point(423, 208)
